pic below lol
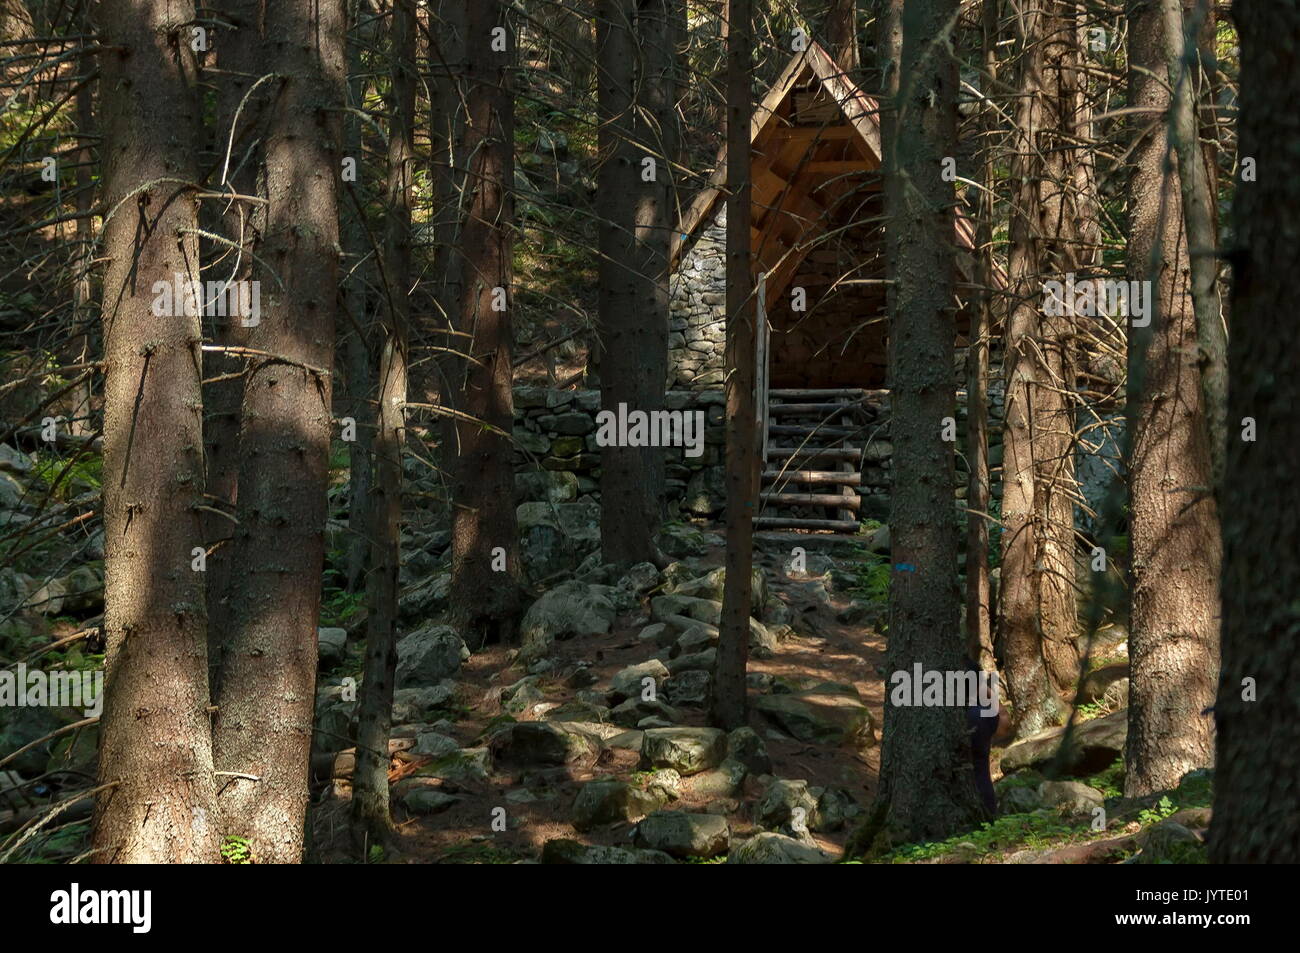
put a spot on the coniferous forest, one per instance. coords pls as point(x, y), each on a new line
point(649, 432)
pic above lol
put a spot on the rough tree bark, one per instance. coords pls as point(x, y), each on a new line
point(1182, 54)
point(660, 27)
point(628, 511)
point(486, 599)
point(979, 606)
point(729, 703)
point(1173, 520)
point(372, 820)
point(242, 61)
point(926, 789)
point(1255, 817)
point(841, 32)
point(1036, 607)
point(355, 329)
point(264, 717)
point(155, 744)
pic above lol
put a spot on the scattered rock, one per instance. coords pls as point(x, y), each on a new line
point(631, 681)
point(523, 695)
point(640, 579)
point(632, 712)
point(570, 609)
point(1093, 747)
point(684, 835)
point(434, 743)
point(1098, 683)
point(1019, 799)
point(688, 750)
point(565, 851)
point(427, 800)
point(332, 645)
point(1070, 797)
point(878, 541)
point(579, 711)
point(692, 689)
point(726, 780)
point(781, 803)
point(543, 742)
point(465, 769)
point(428, 654)
point(744, 745)
point(772, 848)
point(1169, 842)
point(820, 717)
point(610, 802)
point(416, 705)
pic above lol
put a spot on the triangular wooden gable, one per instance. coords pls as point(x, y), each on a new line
point(803, 156)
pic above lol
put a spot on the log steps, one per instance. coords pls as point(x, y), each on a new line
point(813, 468)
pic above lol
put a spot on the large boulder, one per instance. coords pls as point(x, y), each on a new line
point(772, 848)
point(684, 835)
point(460, 770)
point(745, 745)
point(331, 644)
point(726, 780)
point(710, 586)
point(425, 599)
point(789, 805)
point(544, 742)
point(1073, 798)
point(570, 609)
point(633, 711)
point(830, 718)
point(334, 722)
point(692, 689)
point(633, 681)
point(687, 750)
point(564, 851)
point(1094, 745)
point(418, 705)
point(429, 654)
point(555, 538)
point(610, 801)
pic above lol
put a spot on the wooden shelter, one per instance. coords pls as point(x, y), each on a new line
point(818, 257)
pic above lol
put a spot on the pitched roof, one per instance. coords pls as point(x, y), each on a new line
point(858, 122)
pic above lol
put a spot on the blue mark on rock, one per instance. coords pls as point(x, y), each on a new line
point(904, 567)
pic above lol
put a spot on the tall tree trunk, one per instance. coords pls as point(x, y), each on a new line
point(729, 701)
point(979, 634)
point(354, 330)
point(81, 423)
point(1036, 604)
point(1198, 201)
point(264, 717)
point(486, 596)
point(660, 26)
point(841, 31)
point(1174, 525)
point(1255, 817)
point(155, 745)
point(239, 127)
point(628, 510)
point(372, 820)
point(889, 54)
point(926, 788)
point(447, 176)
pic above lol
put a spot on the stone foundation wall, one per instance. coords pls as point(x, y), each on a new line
point(557, 457)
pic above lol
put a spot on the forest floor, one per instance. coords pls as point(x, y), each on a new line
point(836, 645)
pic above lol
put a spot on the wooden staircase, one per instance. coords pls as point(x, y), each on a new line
point(811, 445)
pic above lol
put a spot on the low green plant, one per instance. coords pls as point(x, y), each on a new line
point(236, 850)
